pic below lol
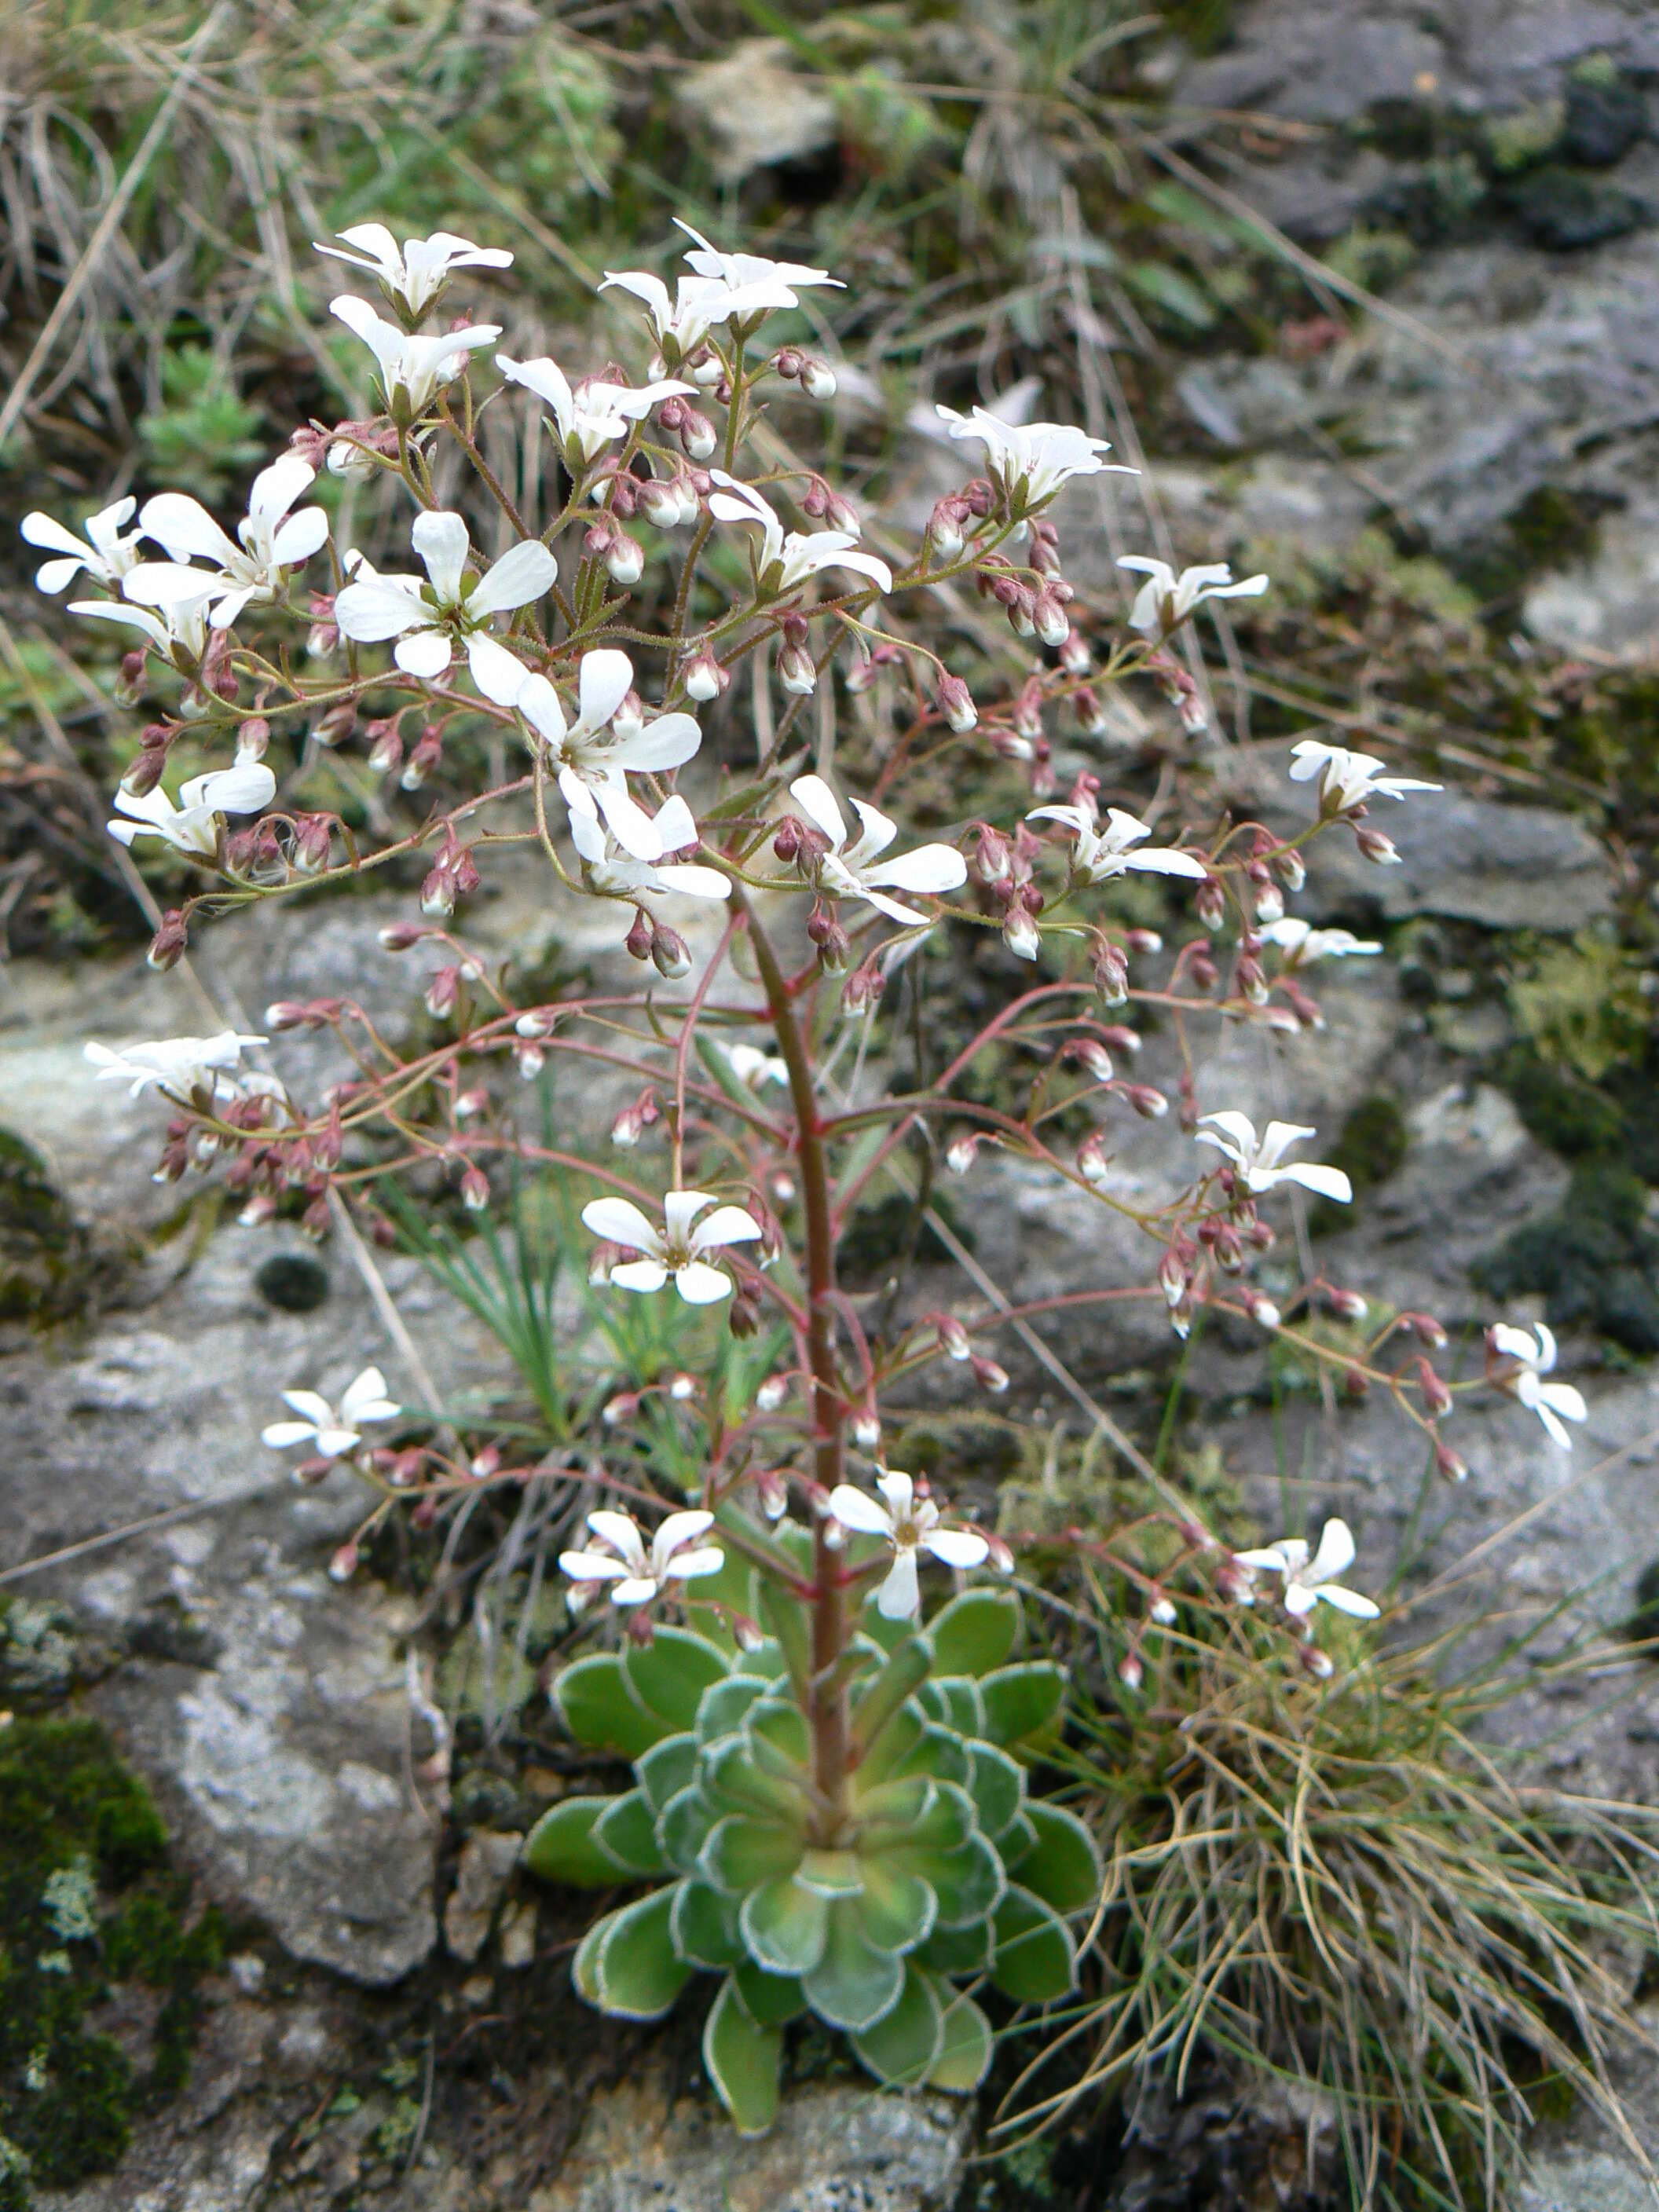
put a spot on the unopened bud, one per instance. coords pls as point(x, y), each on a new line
point(1249, 979)
point(956, 703)
point(1150, 1104)
point(1094, 1056)
point(1074, 653)
point(146, 772)
point(797, 671)
point(772, 1393)
point(772, 1493)
point(990, 1376)
point(1049, 619)
point(1020, 933)
point(1130, 1672)
point(600, 1261)
point(1450, 1464)
point(670, 955)
point(1111, 972)
point(1269, 903)
point(860, 994)
point(866, 1429)
point(953, 1340)
point(1262, 1310)
point(530, 1060)
point(705, 679)
point(1093, 1157)
point(641, 934)
point(660, 503)
point(443, 992)
point(1210, 903)
point(309, 850)
point(1349, 1305)
point(1317, 1663)
point(1375, 847)
point(624, 560)
point(992, 860)
point(1437, 1397)
point(1426, 1329)
point(944, 531)
point(697, 434)
point(746, 1634)
point(343, 1564)
point(961, 1153)
point(475, 1190)
point(167, 947)
point(818, 381)
point(438, 893)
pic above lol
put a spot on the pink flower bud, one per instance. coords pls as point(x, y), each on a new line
point(1377, 848)
point(772, 1393)
point(1450, 1464)
point(1049, 619)
point(1130, 1672)
point(1269, 903)
point(620, 1408)
point(697, 434)
point(343, 1564)
point(167, 947)
point(956, 703)
point(1074, 653)
point(1348, 1305)
point(818, 381)
point(624, 560)
point(1426, 1329)
point(861, 994)
point(840, 515)
point(705, 679)
point(1291, 872)
point(867, 1428)
point(789, 363)
point(1316, 1662)
point(427, 753)
point(1093, 1055)
point(746, 1634)
point(471, 1103)
point(438, 892)
point(475, 1190)
point(1094, 1157)
point(1210, 903)
point(312, 833)
point(443, 992)
point(336, 724)
point(259, 1209)
point(992, 860)
point(641, 934)
point(990, 1376)
point(772, 1493)
point(962, 1152)
point(1249, 979)
point(1437, 1397)
point(1262, 1310)
point(797, 671)
point(1020, 933)
point(253, 738)
point(944, 531)
point(146, 772)
point(670, 955)
point(530, 1060)
point(1111, 971)
point(953, 1340)
point(1150, 1104)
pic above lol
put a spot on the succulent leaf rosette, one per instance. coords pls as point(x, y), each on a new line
point(931, 1870)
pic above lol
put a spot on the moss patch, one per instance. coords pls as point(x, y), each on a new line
point(1371, 1147)
point(1596, 1261)
point(88, 1900)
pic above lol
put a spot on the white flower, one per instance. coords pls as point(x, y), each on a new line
point(910, 1524)
point(845, 871)
point(634, 1574)
point(741, 270)
point(593, 760)
point(192, 826)
point(593, 415)
point(1302, 945)
point(1164, 600)
point(104, 553)
point(681, 322)
point(1553, 1402)
point(753, 1068)
point(1256, 1159)
point(179, 598)
point(677, 1248)
point(608, 869)
point(253, 569)
point(785, 560)
point(176, 1065)
point(333, 1430)
point(1030, 461)
point(1347, 780)
point(1309, 1583)
point(418, 272)
point(415, 367)
point(427, 621)
point(1098, 854)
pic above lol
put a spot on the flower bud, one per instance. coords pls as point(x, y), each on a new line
point(438, 893)
point(1450, 1464)
point(962, 1152)
point(167, 947)
point(867, 1428)
point(818, 381)
point(259, 1209)
point(861, 994)
point(1074, 653)
point(797, 671)
point(670, 955)
point(1269, 903)
point(1426, 1329)
point(343, 1564)
point(1210, 903)
point(1090, 1053)
point(399, 936)
point(530, 1060)
point(1292, 871)
point(1437, 1397)
point(1049, 619)
point(1316, 1662)
point(336, 725)
point(696, 434)
point(840, 515)
point(427, 753)
point(992, 860)
point(1348, 1305)
point(443, 992)
point(772, 1493)
point(1093, 1157)
point(309, 851)
point(1262, 1310)
point(660, 503)
point(1249, 979)
point(624, 560)
point(132, 676)
point(772, 1393)
point(1130, 1672)
point(956, 703)
point(253, 739)
point(640, 934)
point(1377, 848)
point(989, 1375)
point(600, 1261)
point(1111, 971)
point(705, 679)
point(789, 363)
point(471, 1103)
point(952, 1337)
point(1020, 933)
point(146, 772)
point(1150, 1104)
point(746, 1634)
point(834, 947)
point(944, 531)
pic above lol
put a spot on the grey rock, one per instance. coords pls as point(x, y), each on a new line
point(755, 111)
point(832, 2150)
point(1581, 2165)
point(1611, 602)
point(483, 1871)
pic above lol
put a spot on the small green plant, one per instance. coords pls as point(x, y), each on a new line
point(204, 432)
point(857, 1875)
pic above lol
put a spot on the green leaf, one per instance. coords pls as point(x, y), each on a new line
point(887, 1634)
point(785, 1925)
point(722, 1705)
point(1022, 1701)
point(742, 2060)
point(561, 1845)
point(897, 1804)
point(771, 1999)
point(682, 1828)
point(853, 1985)
point(593, 1698)
point(904, 2045)
point(890, 1748)
point(904, 1671)
point(964, 2056)
point(628, 1830)
point(637, 1969)
point(1063, 1866)
point(958, 1950)
point(954, 1705)
point(1035, 1961)
point(733, 1783)
point(1177, 294)
point(949, 1820)
point(785, 1617)
point(779, 1737)
point(832, 1873)
point(740, 1854)
point(669, 1675)
point(584, 1966)
point(898, 1908)
point(967, 1881)
point(975, 1632)
point(666, 1769)
point(704, 1926)
point(997, 1787)
point(940, 1753)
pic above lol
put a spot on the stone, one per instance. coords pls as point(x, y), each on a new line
point(517, 1942)
point(755, 111)
point(482, 1874)
point(833, 2149)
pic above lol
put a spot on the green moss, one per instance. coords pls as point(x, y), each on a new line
point(1371, 1147)
point(1551, 528)
point(1596, 1261)
point(44, 1253)
point(1560, 1108)
point(1583, 1006)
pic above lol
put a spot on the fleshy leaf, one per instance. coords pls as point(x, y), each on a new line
point(975, 1632)
point(1022, 1701)
point(731, 1780)
point(967, 1881)
point(904, 2045)
point(704, 1926)
point(722, 1705)
point(1063, 1867)
point(742, 2060)
point(958, 1950)
point(561, 1845)
point(669, 1675)
point(682, 1828)
point(628, 1830)
point(785, 1925)
point(584, 1966)
point(954, 1704)
point(638, 1971)
point(853, 1985)
point(779, 1737)
point(771, 1999)
point(997, 1787)
point(964, 2057)
point(832, 1874)
point(904, 1671)
point(593, 1695)
point(785, 1618)
point(898, 1908)
point(890, 1748)
point(740, 1854)
point(1035, 1960)
point(666, 1769)
point(940, 1753)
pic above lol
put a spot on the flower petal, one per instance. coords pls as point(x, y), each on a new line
point(857, 1510)
point(186, 528)
point(423, 652)
point(1325, 1183)
point(499, 674)
point(896, 1487)
point(817, 802)
point(524, 572)
point(700, 1284)
point(643, 1275)
point(1165, 860)
point(1335, 1553)
point(591, 1567)
point(628, 821)
point(440, 539)
point(689, 1564)
point(603, 681)
point(727, 1225)
point(379, 607)
point(694, 883)
point(621, 1222)
point(639, 1591)
point(930, 868)
point(1352, 1602)
point(957, 1547)
point(283, 1436)
point(899, 1597)
point(300, 536)
point(669, 742)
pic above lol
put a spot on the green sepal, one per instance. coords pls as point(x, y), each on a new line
point(628, 1830)
point(722, 1705)
point(974, 1634)
point(636, 1970)
point(903, 2047)
point(1063, 1866)
point(832, 1873)
point(704, 1926)
point(968, 1881)
point(669, 1675)
point(744, 2060)
point(1036, 1960)
point(904, 1672)
point(964, 2057)
point(597, 1706)
point(772, 2000)
point(1022, 1701)
point(785, 1925)
point(740, 1853)
point(959, 1950)
point(784, 1617)
point(853, 1985)
point(683, 1827)
point(561, 1846)
point(666, 1769)
point(898, 1909)
point(996, 1786)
